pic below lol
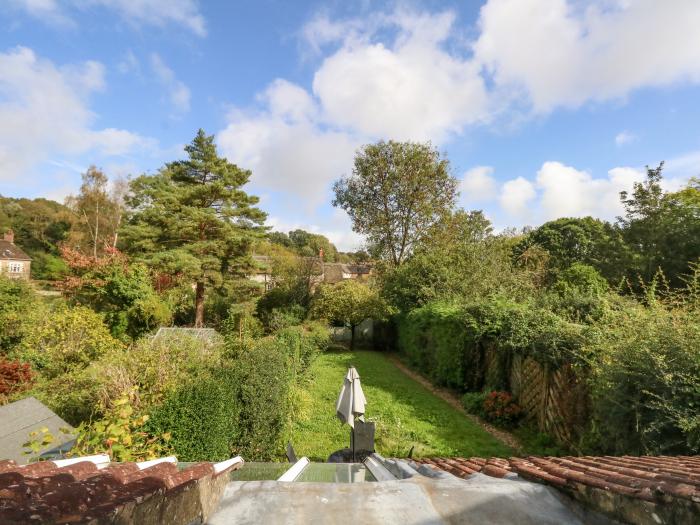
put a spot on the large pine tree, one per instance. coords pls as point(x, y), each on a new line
point(192, 219)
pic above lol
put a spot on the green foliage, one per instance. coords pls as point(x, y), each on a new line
point(244, 407)
point(201, 417)
point(193, 219)
point(121, 434)
point(60, 340)
point(473, 403)
point(586, 240)
point(397, 192)
point(40, 226)
point(448, 342)
point(462, 246)
point(348, 303)
point(17, 300)
point(645, 381)
point(661, 229)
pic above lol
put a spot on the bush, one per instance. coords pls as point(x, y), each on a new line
point(645, 381)
point(155, 367)
point(243, 408)
point(449, 342)
point(473, 403)
point(201, 417)
point(501, 408)
point(121, 434)
point(15, 376)
point(65, 339)
point(16, 300)
point(264, 381)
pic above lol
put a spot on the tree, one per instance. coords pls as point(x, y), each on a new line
point(461, 259)
point(578, 240)
point(349, 302)
point(661, 229)
point(98, 211)
point(397, 192)
point(192, 219)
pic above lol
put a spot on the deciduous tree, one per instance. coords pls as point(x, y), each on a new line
point(397, 192)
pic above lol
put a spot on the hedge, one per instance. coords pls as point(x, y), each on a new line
point(244, 408)
point(448, 342)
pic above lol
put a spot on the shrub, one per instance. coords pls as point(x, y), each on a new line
point(15, 376)
point(264, 381)
point(58, 341)
point(155, 366)
point(645, 381)
point(473, 403)
point(201, 417)
point(16, 300)
point(121, 434)
point(501, 408)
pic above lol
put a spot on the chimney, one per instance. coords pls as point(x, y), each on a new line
point(9, 236)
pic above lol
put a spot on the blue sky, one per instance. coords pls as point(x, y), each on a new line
point(545, 108)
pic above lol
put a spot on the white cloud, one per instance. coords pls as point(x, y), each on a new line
point(477, 185)
point(624, 137)
point(285, 147)
point(564, 191)
point(139, 12)
point(409, 87)
point(44, 113)
point(515, 197)
point(178, 92)
point(565, 53)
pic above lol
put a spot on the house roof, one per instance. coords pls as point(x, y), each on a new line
point(11, 252)
point(91, 490)
point(334, 272)
point(27, 415)
point(625, 484)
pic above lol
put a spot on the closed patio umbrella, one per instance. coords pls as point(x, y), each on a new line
point(351, 401)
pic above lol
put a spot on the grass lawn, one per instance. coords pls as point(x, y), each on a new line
point(405, 413)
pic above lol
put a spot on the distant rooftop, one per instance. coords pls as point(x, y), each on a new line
point(208, 335)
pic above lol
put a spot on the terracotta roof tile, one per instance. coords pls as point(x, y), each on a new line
point(662, 481)
point(82, 492)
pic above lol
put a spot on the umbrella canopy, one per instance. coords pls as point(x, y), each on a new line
point(351, 401)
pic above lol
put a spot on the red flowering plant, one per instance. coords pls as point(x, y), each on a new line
point(15, 376)
point(501, 408)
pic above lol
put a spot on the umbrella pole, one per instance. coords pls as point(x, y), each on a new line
point(353, 444)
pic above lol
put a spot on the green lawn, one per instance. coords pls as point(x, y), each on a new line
point(405, 413)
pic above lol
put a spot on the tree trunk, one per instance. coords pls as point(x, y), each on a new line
point(352, 337)
point(199, 305)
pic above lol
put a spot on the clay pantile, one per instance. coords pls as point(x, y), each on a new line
point(646, 478)
point(80, 491)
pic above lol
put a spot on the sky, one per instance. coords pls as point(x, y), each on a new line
point(545, 108)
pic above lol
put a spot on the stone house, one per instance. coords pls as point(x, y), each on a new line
point(13, 261)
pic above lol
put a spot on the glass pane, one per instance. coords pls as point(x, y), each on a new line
point(336, 473)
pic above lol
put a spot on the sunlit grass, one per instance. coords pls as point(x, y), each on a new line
point(406, 413)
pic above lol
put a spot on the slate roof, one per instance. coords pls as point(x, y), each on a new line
point(666, 484)
point(11, 252)
point(20, 418)
point(91, 490)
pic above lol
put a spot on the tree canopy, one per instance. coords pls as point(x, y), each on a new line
point(397, 192)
